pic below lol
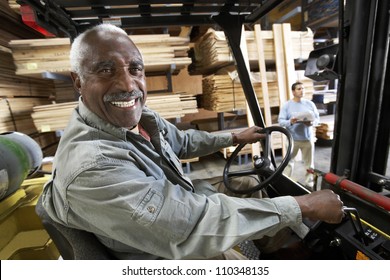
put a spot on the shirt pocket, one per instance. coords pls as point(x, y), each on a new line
point(174, 220)
point(149, 208)
point(163, 220)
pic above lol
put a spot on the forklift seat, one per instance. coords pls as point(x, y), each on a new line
point(72, 244)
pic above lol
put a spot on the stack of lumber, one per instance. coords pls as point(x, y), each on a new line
point(18, 96)
point(221, 93)
point(211, 52)
point(56, 116)
point(188, 104)
point(15, 113)
point(12, 27)
point(172, 105)
point(12, 85)
point(162, 53)
point(52, 117)
point(65, 91)
point(325, 128)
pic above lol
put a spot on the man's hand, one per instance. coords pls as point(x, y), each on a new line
point(293, 120)
point(248, 136)
point(322, 205)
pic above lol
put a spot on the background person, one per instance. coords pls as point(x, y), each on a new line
point(299, 115)
point(118, 175)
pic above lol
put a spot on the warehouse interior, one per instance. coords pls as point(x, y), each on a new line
point(206, 73)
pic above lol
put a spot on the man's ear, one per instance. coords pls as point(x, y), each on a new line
point(76, 81)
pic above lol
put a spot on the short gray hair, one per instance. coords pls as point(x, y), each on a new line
point(79, 48)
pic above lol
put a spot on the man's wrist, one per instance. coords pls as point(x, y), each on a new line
point(234, 138)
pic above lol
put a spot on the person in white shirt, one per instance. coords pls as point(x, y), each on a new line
point(299, 115)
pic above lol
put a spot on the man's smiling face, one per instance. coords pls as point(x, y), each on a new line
point(113, 84)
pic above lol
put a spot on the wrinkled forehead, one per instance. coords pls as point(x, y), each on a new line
point(106, 45)
point(110, 39)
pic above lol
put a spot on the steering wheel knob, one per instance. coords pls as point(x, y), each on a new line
point(259, 161)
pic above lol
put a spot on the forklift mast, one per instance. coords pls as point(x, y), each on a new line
point(362, 131)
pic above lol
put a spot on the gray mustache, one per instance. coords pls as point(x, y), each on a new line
point(122, 96)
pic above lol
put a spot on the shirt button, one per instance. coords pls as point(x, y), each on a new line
point(151, 209)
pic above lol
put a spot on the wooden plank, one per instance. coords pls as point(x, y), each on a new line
point(263, 75)
point(288, 59)
point(280, 62)
point(162, 53)
point(280, 68)
point(221, 93)
point(211, 51)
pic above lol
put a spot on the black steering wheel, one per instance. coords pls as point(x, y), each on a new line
point(263, 166)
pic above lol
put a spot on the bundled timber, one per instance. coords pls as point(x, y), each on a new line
point(221, 93)
point(162, 53)
point(211, 52)
point(52, 117)
point(224, 93)
point(56, 116)
point(15, 113)
point(188, 104)
point(12, 85)
point(65, 92)
point(18, 96)
point(172, 105)
point(167, 105)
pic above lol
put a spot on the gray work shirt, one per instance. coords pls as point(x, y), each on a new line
point(132, 193)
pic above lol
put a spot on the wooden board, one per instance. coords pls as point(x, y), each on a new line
point(161, 52)
point(54, 117)
point(222, 94)
point(211, 51)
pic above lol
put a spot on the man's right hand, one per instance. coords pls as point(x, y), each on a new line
point(322, 205)
point(293, 120)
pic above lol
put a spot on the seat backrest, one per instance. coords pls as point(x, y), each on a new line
point(72, 244)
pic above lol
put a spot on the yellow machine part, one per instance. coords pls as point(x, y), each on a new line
point(22, 236)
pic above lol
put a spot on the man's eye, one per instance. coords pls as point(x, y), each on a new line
point(106, 70)
point(135, 70)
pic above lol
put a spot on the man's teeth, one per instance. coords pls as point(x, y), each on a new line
point(123, 103)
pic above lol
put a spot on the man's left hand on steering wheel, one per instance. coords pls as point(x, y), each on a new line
point(263, 164)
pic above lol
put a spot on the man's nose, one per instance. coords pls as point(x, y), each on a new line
point(125, 81)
